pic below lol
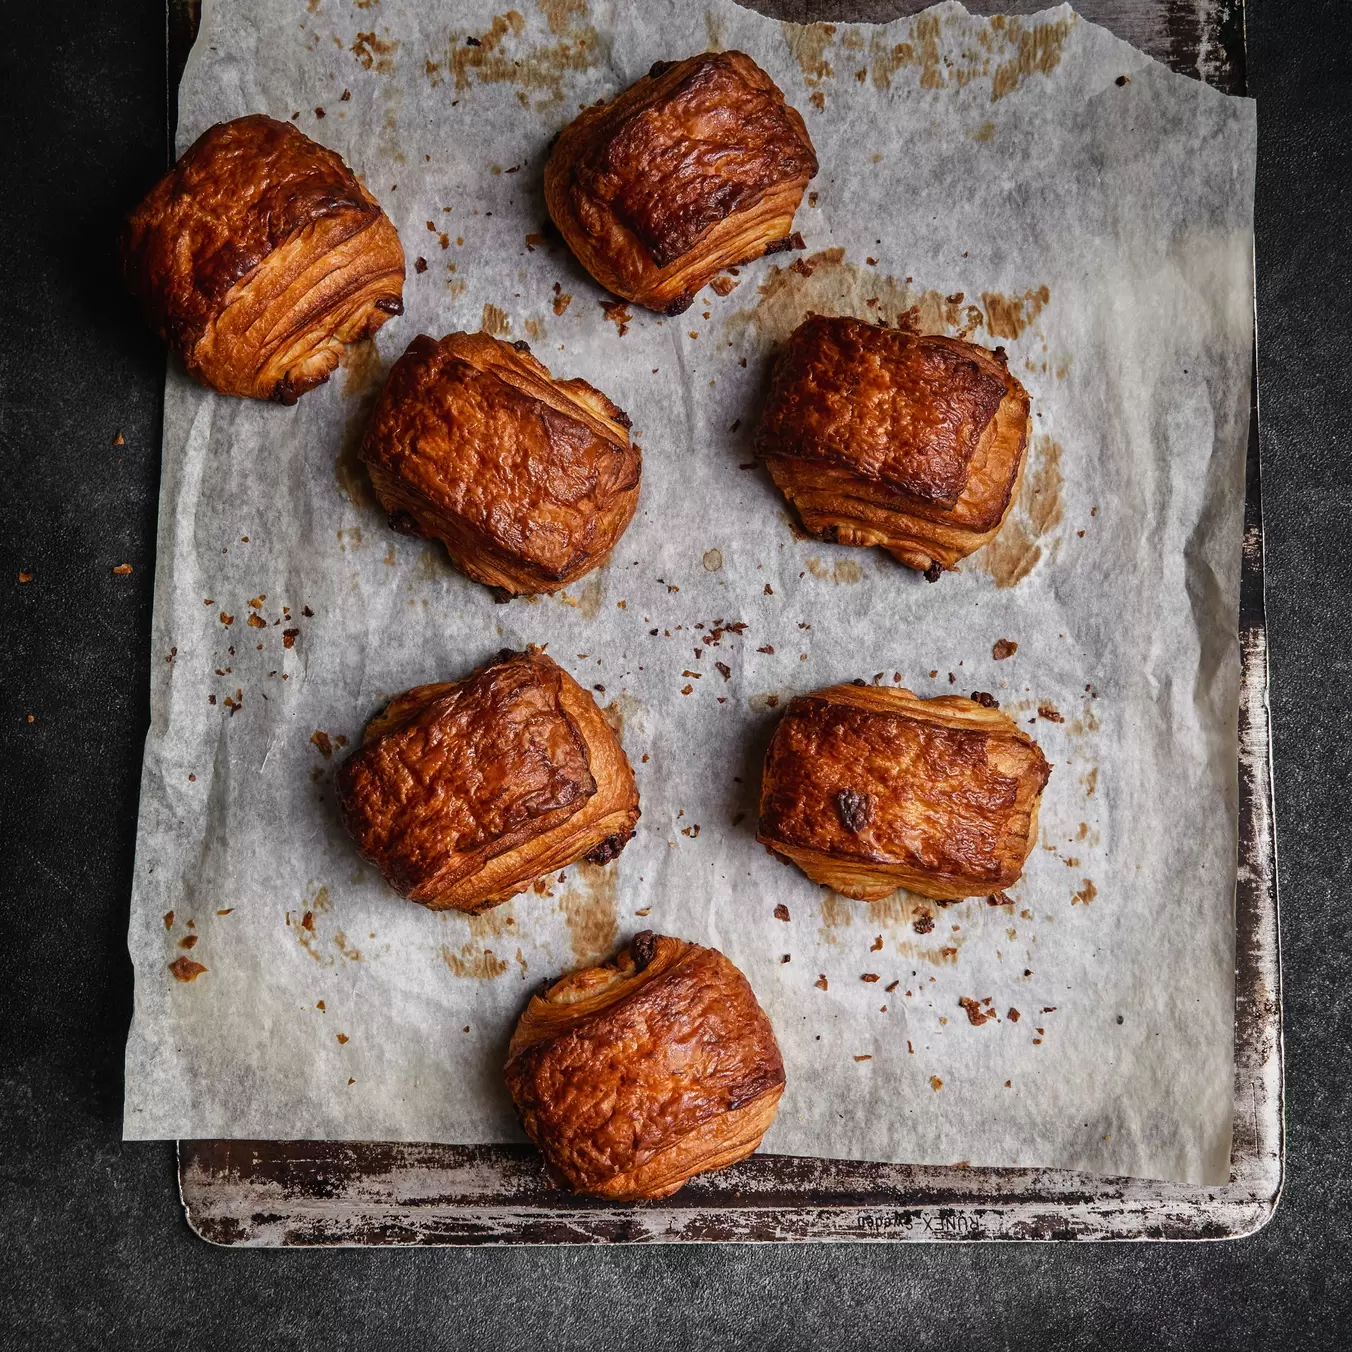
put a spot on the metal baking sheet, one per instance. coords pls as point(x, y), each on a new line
point(284, 1194)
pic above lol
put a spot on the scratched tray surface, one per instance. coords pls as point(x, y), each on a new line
point(287, 1193)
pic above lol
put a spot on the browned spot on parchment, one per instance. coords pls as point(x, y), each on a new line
point(1090, 781)
point(1008, 316)
point(493, 923)
point(824, 283)
point(495, 321)
point(896, 911)
point(587, 602)
point(1039, 53)
point(365, 374)
point(482, 964)
point(985, 132)
point(1005, 51)
point(499, 58)
point(559, 14)
point(375, 53)
point(1013, 554)
point(185, 969)
point(590, 911)
point(843, 570)
point(1086, 894)
point(807, 43)
point(620, 708)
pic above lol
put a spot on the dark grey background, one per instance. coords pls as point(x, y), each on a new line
point(93, 1247)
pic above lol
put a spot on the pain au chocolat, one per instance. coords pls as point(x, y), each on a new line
point(632, 1077)
point(259, 256)
point(868, 789)
point(528, 481)
point(463, 794)
point(698, 166)
point(912, 442)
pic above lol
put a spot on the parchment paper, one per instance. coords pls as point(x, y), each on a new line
point(1006, 180)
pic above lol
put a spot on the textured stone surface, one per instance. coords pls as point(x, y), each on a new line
point(96, 1253)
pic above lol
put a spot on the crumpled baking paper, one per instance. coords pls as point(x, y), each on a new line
point(1034, 183)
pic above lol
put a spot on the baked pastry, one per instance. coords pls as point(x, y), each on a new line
point(698, 166)
point(528, 481)
point(914, 442)
point(632, 1077)
point(868, 789)
point(258, 256)
point(463, 794)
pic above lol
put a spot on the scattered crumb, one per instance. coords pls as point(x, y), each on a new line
point(1004, 647)
point(123, 569)
point(781, 912)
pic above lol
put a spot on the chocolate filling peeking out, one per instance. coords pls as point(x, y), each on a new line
point(855, 810)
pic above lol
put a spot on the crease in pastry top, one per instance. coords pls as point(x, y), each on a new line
point(634, 1076)
point(912, 442)
point(463, 793)
point(868, 789)
point(258, 256)
point(698, 166)
point(528, 481)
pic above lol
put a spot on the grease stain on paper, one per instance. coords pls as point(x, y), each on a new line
point(1007, 51)
point(590, 910)
point(1038, 510)
point(825, 283)
point(500, 56)
point(364, 374)
point(479, 964)
point(375, 53)
point(892, 912)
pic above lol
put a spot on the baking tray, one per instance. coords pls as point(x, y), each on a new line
point(275, 1194)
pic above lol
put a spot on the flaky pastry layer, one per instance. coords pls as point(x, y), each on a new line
point(528, 481)
point(911, 442)
point(868, 789)
point(698, 166)
point(632, 1077)
point(463, 793)
point(259, 256)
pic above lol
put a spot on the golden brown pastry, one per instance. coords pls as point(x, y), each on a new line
point(633, 1077)
point(697, 167)
point(258, 256)
point(868, 789)
point(914, 442)
point(527, 480)
point(463, 794)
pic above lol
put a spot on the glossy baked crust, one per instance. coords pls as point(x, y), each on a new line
point(868, 789)
point(527, 480)
point(258, 256)
point(633, 1077)
point(463, 794)
point(914, 442)
point(698, 166)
